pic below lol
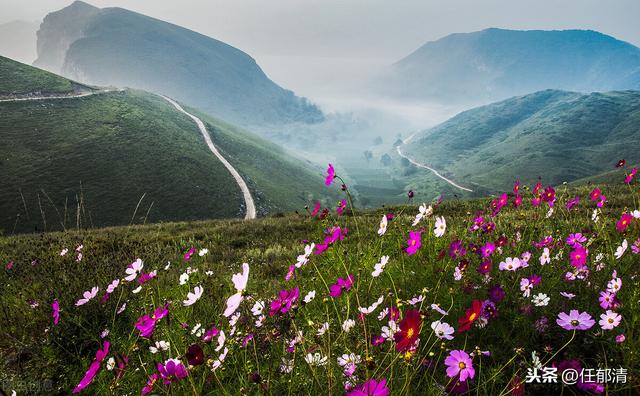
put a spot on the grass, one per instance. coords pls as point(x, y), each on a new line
point(560, 136)
point(91, 161)
point(19, 79)
point(34, 351)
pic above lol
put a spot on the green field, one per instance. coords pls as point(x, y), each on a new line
point(19, 79)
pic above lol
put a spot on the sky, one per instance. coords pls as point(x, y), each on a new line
point(303, 44)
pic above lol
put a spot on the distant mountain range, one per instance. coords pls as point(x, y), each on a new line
point(557, 135)
point(114, 46)
point(106, 150)
point(494, 64)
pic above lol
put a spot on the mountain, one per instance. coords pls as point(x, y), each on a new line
point(92, 159)
point(557, 135)
point(496, 64)
point(18, 40)
point(114, 46)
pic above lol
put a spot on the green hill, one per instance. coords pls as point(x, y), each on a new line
point(18, 79)
point(89, 160)
point(114, 46)
point(560, 136)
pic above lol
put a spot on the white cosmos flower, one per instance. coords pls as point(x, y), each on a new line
point(442, 330)
point(136, 290)
point(440, 226)
point(287, 366)
point(87, 296)
point(304, 258)
point(372, 307)
point(64, 252)
point(383, 225)
point(193, 297)
point(316, 359)
point(184, 278)
point(622, 249)
point(378, 268)
point(310, 296)
point(540, 300)
point(240, 282)
point(222, 338)
point(349, 359)
point(159, 346)
point(111, 363)
point(348, 325)
point(133, 270)
point(257, 308)
point(323, 329)
point(112, 286)
point(390, 330)
point(202, 252)
point(545, 258)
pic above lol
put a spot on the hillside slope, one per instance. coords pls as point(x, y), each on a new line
point(114, 46)
point(103, 152)
point(560, 136)
point(18, 79)
point(495, 64)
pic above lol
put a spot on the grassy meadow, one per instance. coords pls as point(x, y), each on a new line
point(359, 334)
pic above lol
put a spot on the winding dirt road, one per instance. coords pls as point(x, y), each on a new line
point(435, 172)
point(248, 199)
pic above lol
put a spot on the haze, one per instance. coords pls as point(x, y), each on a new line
point(321, 49)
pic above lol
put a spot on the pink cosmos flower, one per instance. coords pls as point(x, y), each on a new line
point(171, 371)
point(316, 209)
point(459, 363)
point(575, 320)
point(336, 289)
point(413, 242)
point(624, 222)
point(371, 388)
point(578, 257)
point(342, 205)
point(629, 177)
point(488, 249)
point(595, 194)
point(602, 201)
point(549, 195)
point(609, 320)
point(150, 383)
point(572, 202)
point(9, 265)
point(210, 334)
point(576, 239)
point(517, 201)
point(56, 312)
point(285, 300)
point(87, 296)
point(331, 174)
point(147, 323)
point(94, 368)
point(189, 253)
point(606, 299)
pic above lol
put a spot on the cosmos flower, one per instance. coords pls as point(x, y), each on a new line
point(470, 315)
point(94, 368)
point(576, 239)
point(575, 320)
point(331, 174)
point(609, 320)
point(87, 296)
point(572, 202)
point(578, 257)
point(285, 300)
point(510, 264)
point(540, 300)
point(193, 297)
point(150, 384)
point(383, 225)
point(549, 195)
point(624, 222)
point(133, 270)
point(146, 323)
point(371, 388)
point(342, 205)
point(240, 283)
point(195, 355)
point(348, 324)
point(56, 312)
point(189, 253)
point(341, 284)
point(316, 209)
point(620, 250)
point(316, 359)
point(172, 371)
point(413, 243)
point(545, 257)
point(488, 249)
point(440, 227)
point(372, 307)
point(379, 267)
point(459, 363)
point(309, 297)
point(443, 330)
point(323, 329)
point(409, 330)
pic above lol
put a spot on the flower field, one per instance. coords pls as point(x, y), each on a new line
point(486, 297)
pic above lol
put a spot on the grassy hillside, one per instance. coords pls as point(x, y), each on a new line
point(494, 64)
point(18, 79)
point(561, 136)
point(34, 350)
point(114, 46)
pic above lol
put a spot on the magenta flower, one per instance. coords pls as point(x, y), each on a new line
point(595, 194)
point(413, 243)
point(94, 368)
point(575, 320)
point(578, 257)
point(187, 255)
point(336, 289)
point(459, 363)
point(147, 323)
point(341, 207)
point(572, 202)
point(371, 388)
point(56, 312)
point(316, 209)
point(549, 195)
point(624, 222)
point(456, 249)
point(629, 177)
point(576, 239)
point(285, 300)
point(331, 174)
point(171, 371)
point(488, 249)
point(150, 383)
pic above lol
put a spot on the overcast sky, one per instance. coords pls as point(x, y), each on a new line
point(300, 43)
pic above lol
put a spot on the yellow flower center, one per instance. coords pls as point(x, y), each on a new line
point(410, 333)
point(473, 316)
point(413, 242)
point(462, 365)
point(574, 323)
point(610, 320)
